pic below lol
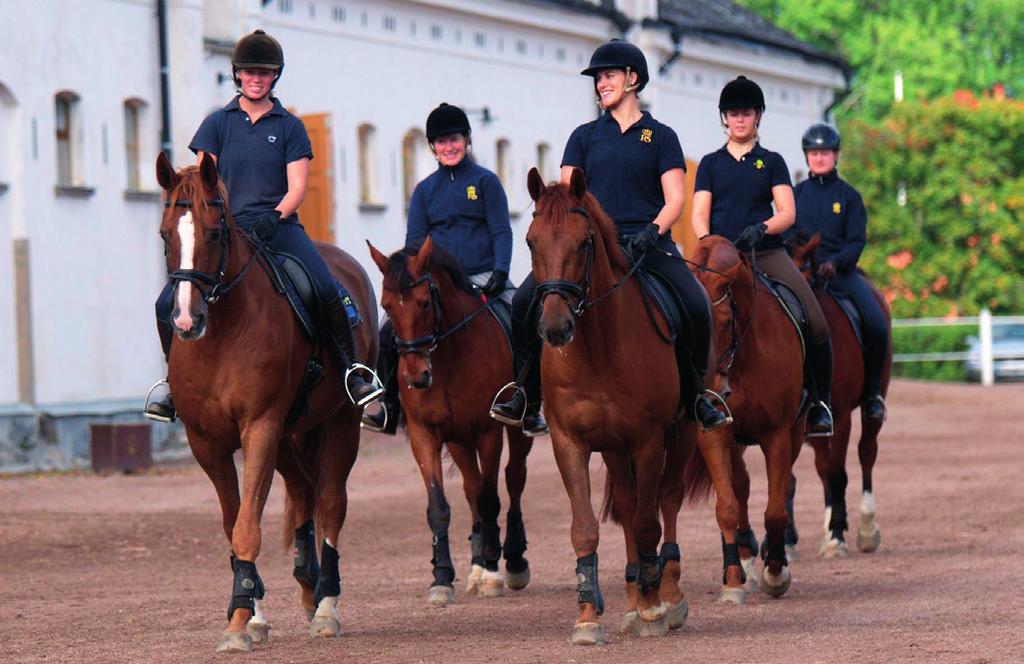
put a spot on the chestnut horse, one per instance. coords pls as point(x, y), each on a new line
point(235, 370)
point(453, 356)
point(611, 385)
point(847, 394)
point(761, 372)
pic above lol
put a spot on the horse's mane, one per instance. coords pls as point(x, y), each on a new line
point(191, 188)
point(554, 204)
point(399, 278)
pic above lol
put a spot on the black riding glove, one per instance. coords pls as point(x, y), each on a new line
point(645, 240)
point(496, 284)
point(265, 225)
point(750, 236)
point(826, 270)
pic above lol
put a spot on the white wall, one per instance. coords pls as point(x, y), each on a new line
point(10, 175)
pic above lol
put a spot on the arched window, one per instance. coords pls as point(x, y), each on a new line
point(417, 161)
point(503, 155)
point(69, 139)
point(368, 182)
point(134, 119)
point(544, 161)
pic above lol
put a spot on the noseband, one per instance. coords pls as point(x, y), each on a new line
point(425, 345)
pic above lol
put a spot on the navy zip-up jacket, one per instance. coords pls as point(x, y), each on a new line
point(465, 210)
point(826, 204)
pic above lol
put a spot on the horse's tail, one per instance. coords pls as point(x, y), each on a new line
point(607, 505)
point(697, 479)
point(287, 531)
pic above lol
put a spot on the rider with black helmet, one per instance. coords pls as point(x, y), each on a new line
point(735, 189)
point(463, 208)
point(827, 204)
point(262, 153)
point(635, 168)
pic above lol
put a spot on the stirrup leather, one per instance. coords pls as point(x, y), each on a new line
point(494, 403)
point(149, 397)
point(720, 399)
point(823, 434)
point(378, 386)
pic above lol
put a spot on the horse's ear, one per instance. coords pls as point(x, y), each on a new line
point(165, 173)
point(422, 257)
point(578, 183)
point(535, 184)
point(380, 259)
point(208, 172)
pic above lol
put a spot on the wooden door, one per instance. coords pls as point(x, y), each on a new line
point(317, 210)
point(682, 230)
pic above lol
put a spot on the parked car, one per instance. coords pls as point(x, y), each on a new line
point(1007, 349)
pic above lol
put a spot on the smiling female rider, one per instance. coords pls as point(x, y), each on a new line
point(262, 153)
point(827, 204)
point(735, 188)
point(463, 208)
point(635, 168)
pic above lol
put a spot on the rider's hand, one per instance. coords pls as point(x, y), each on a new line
point(645, 240)
point(750, 236)
point(265, 225)
point(826, 270)
point(496, 284)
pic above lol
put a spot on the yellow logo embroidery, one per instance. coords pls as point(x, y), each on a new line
point(837, 208)
point(646, 135)
point(759, 164)
point(471, 192)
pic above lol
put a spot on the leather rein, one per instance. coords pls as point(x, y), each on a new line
point(426, 344)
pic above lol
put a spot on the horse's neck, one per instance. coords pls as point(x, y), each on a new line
point(606, 323)
point(456, 303)
point(246, 298)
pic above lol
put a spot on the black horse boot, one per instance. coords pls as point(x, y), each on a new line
point(819, 415)
point(159, 404)
point(359, 390)
point(385, 420)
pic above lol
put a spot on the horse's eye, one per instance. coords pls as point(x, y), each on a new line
point(215, 235)
point(424, 305)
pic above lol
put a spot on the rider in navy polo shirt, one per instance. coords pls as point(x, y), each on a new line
point(635, 169)
point(262, 153)
point(735, 189)
point(463, 208)
point(827, 204)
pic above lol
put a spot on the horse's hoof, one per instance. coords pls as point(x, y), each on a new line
point(492, 584)
point(441, 595)
point(776, 586)
point(737, 596)
point(834, 548)
point(517, 580)
point(629, 621)
point(324, 627)
point(235, 642)
point(751, 573)
point(587, 634)
point(791, 552)
point(868, 534)
point(476, 574)
point(646, 628)
point(259, 632)
point(677, 614)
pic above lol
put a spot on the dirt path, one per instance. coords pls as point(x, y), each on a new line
point(135, 568)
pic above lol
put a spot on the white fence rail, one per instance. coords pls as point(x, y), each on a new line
point(986, 355)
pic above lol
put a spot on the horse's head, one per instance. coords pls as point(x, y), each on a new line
point(801, 246)
point(725, 267)
point(195, 238)
point(568, 234)
point(412, 301)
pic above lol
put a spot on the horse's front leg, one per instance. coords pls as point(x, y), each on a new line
point(649, 459)
point(621, 489)
point(464, 455)
point(776, 578)
point(869, 536)
point(426, 448)
point(834, 543)
point(296, 461)
point(677, 454)
point(517, 567)
point(489, 445)
point(573, 461)
point(746, 541)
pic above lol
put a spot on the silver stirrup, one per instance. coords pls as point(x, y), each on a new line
point(880, 399)
point(378, 386)
point(720, 399)
point(829, 411)
point(383, 409)
point(149, 395)
point(502, 418)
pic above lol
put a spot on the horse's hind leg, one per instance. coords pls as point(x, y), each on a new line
point(775, 578)
point(821, 463)
point(427, 451)
point(296, 461)
point(517, 567)
point(834, 544)
point(336, 454)
point(868, 534)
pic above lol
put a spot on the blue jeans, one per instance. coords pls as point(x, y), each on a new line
point(876, 329)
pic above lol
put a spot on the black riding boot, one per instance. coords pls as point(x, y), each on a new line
point(360, 391)
point(695, 397)
point(385, 420)
point(819, 416)
point(159, 404)
point(523, 409)
point(872, 407)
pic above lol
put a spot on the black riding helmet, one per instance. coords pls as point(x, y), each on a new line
point(447, 119)
point(741, 92)
point(820, 136)
point(257, 50)
point(618, 54)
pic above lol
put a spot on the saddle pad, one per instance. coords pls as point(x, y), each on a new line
point(295, 284)
point(852, 313)
point(664, 299)
point(503, 314)
point(791, 304)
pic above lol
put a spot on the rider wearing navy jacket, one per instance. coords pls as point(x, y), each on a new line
point(262, 153)
point(635, 169)
point(828, 205)
point(463, 208)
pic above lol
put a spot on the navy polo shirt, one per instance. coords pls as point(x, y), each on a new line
point(826, 204)
point(252, 157)
point(624, 169)
point(741, 190)
point(465, 210)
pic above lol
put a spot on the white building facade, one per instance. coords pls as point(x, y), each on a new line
point(80, 118)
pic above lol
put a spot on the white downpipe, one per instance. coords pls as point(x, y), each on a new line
point(985, 336)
